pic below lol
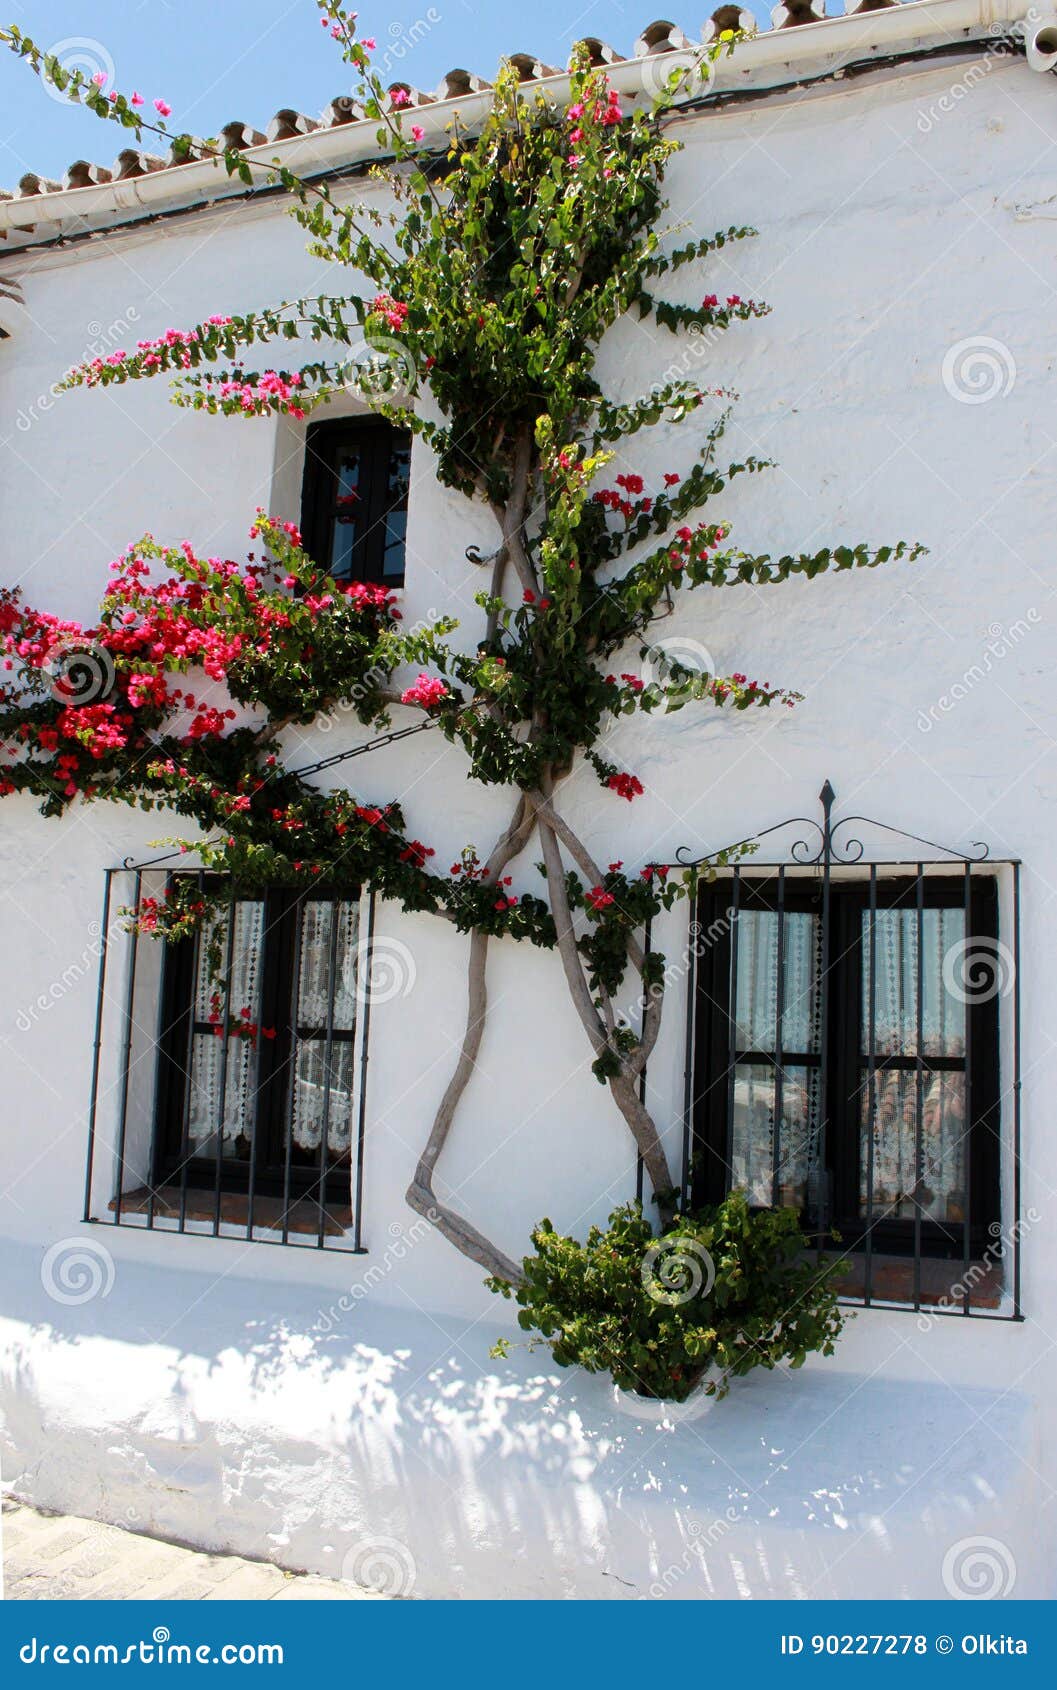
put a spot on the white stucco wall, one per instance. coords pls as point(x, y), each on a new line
point(209, 1392)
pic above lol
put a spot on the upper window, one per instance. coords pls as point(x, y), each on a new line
point(863, 1089)
point(354, 499)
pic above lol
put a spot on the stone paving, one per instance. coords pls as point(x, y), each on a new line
point(57, 1557)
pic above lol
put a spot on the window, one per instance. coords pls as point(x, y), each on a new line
point(866, 1093)
point(354, 499)
point(273, 1113)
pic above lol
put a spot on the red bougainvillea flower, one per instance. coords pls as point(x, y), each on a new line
point(627, 786)
point(415, 852)
point(599, 898)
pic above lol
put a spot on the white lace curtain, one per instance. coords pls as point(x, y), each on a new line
point(755, 1084)
point(894, 1105)
point(891, 1119)
point(328, 938)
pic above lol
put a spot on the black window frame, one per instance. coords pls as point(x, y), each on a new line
point(375, 440)
point(264, 1170)
point(837, 1203)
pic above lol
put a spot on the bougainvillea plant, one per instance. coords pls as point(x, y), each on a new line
point(508, 252)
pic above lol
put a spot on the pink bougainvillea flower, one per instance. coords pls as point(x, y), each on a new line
point(417, 132)
point(400, 98)
point(99, 78)
point(137, 99)
point(163, 108)
point(427, 691)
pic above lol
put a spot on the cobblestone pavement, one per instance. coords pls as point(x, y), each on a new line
point(56, 1557)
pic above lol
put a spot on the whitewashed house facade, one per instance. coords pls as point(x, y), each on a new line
point(329, 1402)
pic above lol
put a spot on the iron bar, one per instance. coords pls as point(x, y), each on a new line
point(779, 1034)
point(732, 1020)
point(967, 1112)
point(871, 1089)
point(222, 1101)
point(919, 1113)
point(188, 1076)
point(288, 1141)
point(158, 1037)
point(826, 797)
point(1017, 1314)
point(690, 1046)
point(361, 1112)
point(251, 1173)
point(126, 1053)
point(332, 968)
point(97, 1042)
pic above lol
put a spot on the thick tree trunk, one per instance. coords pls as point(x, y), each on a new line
point(537, 809)
point(466, 1238)
point(622, 1086)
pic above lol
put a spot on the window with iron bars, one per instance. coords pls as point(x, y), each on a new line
point(853, 1052)
point(236, 1104)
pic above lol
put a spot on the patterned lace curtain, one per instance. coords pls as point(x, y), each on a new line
point(329, 939)
point(210, 1053)
point(893, 1128)
point(766, 1170)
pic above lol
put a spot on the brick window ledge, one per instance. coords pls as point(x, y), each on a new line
point(302, 1216)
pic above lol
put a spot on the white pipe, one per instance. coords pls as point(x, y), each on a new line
point(913, 23)
point(1040, 40)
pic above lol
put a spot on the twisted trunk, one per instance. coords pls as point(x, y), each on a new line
point(467, 1239)
point(536, 809)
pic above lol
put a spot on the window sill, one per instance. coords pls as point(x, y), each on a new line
point(942, 1283)
point(302, 1216)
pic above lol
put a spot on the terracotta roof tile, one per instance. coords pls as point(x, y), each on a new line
point(657, 38)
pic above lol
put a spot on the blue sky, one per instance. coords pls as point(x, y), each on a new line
point(217, 60)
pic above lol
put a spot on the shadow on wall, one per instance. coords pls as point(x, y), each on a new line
point(390, 1450)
